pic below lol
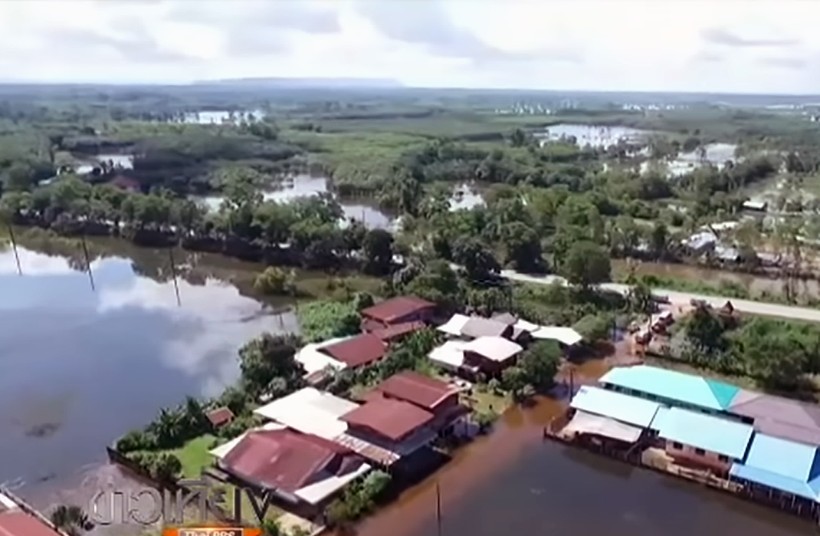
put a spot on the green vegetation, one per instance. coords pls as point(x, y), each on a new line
point(358, 499)
point(72, 520)
point(326, 319)
point(535, 370)
point(780, 355)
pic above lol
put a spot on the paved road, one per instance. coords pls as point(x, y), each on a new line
point(744, 306)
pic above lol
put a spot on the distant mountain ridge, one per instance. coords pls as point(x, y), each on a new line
point(290, 83)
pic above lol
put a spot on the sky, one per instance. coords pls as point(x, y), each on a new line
point(745, 46)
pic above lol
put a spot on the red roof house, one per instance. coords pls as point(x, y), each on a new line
point(18, 519)
point(387, 419)
point(425, 392)
point(397, 310)
point(286, 461)
point(397, 331)
point(357, 351)
point(220, 417)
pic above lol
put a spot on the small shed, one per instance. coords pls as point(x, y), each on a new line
point(219, 417)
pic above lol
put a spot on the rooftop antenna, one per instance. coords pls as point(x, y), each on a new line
point(14, 248)
point(88, 263)
point(174, 273)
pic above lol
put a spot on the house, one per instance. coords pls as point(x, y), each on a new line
point(313, 360)
point(566, 337)
point(449, 356)
point(309, 411)
point(356, 351)
point(700, 243)
point(781, 469)
point(779, 417)
point(397, 310)
point(755, 206)
point(472, 327)
point(490, 355)
point(18, 519)
point(695, 438)
point(609, 415)
point(385, 430)
point(301, 469)
point(438, 397)
point(220, 417)
point(397, 332)
point(671, 387)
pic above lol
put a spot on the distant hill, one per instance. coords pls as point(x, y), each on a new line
point(317, 83)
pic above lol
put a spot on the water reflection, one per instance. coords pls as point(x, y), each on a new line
point(78, 368)
point(306, 186)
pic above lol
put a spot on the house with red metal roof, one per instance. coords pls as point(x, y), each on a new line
point(438, 397)
point(357, 351)
point(302, 469)
point(398, 310)
point(19, 519)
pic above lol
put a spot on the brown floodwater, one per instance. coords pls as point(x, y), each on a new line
point(754, 284)
point(513, 482)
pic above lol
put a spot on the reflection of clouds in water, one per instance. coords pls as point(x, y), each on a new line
point(35, 263)
point(213, 322)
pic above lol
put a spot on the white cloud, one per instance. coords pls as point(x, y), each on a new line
point(760, 46)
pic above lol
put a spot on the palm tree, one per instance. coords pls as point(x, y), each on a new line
point(71, 519)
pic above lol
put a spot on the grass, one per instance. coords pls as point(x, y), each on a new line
point(194, 455)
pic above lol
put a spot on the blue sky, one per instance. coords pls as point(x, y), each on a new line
point(749, 46)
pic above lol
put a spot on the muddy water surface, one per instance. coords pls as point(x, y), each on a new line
point(514, 483)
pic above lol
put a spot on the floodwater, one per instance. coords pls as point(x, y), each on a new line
point(305, 186)
point(218, 117)
point(513, 482)
point(122, 161)
point(755, 285)
point(80, 366)
point(594, 135)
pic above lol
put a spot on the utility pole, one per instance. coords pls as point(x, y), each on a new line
point(88, 263)
point(174, 273)
point(14, 248)
point(438, 508)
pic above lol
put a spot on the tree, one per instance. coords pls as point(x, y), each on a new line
point(658, 239)
point(640, 298)
point(704, 330)
point(275, 281)
point(586, 264)
point(271, 527)
point(514, 380)
point(378, 251)
point(477, 260)
point(595, 327)
point(523, 247)
point(438, 283)
point(70, 519)
point(518, 138)
point(166, 467)
point(540, 363)
point(268, 357)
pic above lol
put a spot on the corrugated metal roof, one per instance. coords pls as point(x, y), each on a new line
point(783, 457)
point(310, 411)
point(780, 417)
point(454, 325)
point(703, 431)
point(625, 408)
point(496, 349)
point(773, 480)
point(417, 389)
point(564, 335)
point(587, 423)
point(398, 307)
point(673, 385)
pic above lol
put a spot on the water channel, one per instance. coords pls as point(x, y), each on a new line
point(78, 367)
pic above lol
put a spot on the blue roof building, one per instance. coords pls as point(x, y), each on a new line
point(698, 430)
point(627, 409)
point(673, 387)
point(781, 465)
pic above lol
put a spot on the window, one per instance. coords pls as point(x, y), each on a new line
point(676, 445)
point(723, 458)
point(700, 452)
